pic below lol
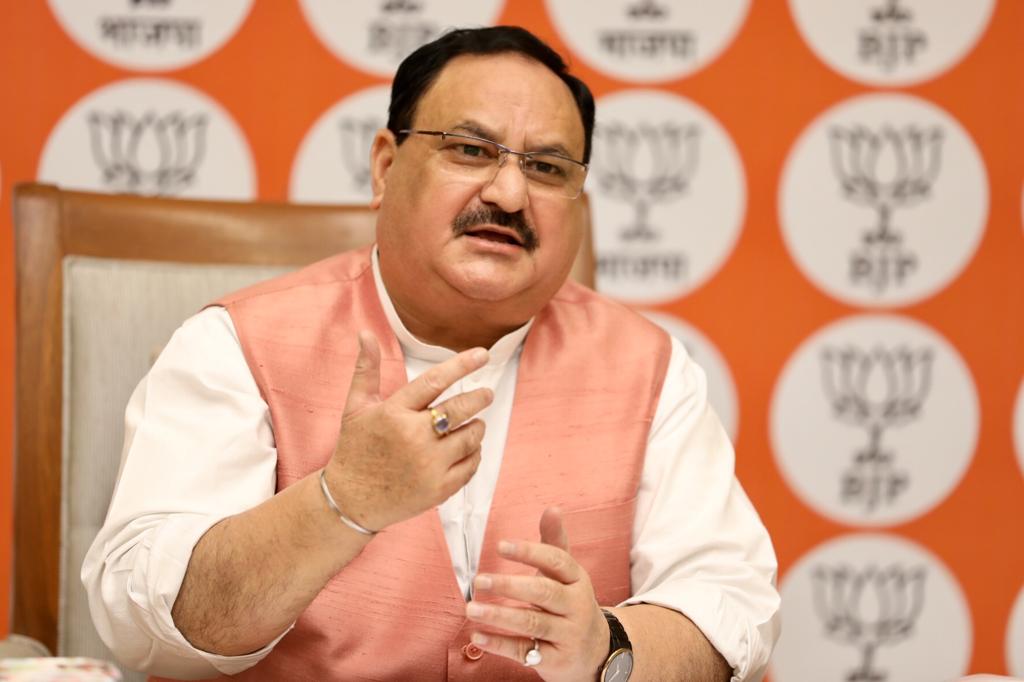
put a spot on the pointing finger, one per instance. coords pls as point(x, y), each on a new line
point(418, 394)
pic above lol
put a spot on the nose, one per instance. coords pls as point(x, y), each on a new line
point(507, 189)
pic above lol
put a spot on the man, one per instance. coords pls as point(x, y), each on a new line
point(246, 533)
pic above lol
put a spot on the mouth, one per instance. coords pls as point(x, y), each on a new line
point(494, 233)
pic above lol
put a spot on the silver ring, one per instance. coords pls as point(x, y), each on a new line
point(533, 657)
point(439, 422)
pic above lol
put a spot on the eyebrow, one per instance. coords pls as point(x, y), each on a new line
point(478, 130)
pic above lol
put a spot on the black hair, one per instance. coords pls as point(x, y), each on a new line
point(420, 69)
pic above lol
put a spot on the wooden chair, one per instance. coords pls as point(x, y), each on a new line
point(102, 282)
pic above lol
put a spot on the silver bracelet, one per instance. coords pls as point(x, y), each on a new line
point(334, 507)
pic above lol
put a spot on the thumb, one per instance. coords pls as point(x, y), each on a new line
point(365, 386)
point(552, 531)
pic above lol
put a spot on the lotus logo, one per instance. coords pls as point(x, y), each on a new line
point(884, 170)
point(148, 154)
point(868, 609)
point(645, 164)
point(356, 135)
point(875, 390)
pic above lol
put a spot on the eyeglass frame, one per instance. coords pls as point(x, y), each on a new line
point(502, 149)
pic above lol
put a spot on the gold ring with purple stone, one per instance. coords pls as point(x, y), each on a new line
point(439, 422)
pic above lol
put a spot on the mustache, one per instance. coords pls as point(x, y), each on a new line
point(484, 215)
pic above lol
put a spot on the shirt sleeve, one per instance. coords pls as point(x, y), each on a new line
point(699, 546)
point(198, 448)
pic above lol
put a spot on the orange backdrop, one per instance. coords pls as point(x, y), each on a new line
point(276, 78)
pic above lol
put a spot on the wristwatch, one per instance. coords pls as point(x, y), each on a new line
point(619, 665)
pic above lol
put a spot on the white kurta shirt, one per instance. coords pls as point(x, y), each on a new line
point(199, 447)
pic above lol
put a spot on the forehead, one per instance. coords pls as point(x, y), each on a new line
point(518, 100)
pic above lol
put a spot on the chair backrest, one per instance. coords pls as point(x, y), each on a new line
point(102, 282)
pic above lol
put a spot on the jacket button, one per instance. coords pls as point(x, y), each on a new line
point(472, 652)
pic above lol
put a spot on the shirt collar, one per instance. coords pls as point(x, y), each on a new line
point(503, 350)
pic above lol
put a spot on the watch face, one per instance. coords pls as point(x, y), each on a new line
point(619, 666)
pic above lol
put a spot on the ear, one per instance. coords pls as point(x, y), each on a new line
point(382, 155)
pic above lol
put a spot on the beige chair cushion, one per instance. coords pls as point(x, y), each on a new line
point(117, 315)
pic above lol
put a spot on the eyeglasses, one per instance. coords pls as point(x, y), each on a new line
point(479, 159)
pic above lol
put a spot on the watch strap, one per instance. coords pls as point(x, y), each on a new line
point(618, 639)
point(619, 649)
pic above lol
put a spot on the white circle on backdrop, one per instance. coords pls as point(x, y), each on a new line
point(1018, 426)
point(883, 200)
point(891, 42)
point(878, 606)
point(874, 420)
point(647, 41)
point(668, 195)
point(153, 137)
point(333, 161)
point(150, 35)
point(376, 35)
point(1015, 637)
point(721, 387)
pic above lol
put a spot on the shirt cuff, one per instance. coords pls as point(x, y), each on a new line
point(156, 581)
point(707, 606)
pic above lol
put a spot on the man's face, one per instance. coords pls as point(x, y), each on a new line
point(490, 241)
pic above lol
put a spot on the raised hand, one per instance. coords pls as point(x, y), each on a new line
point(559, 609)
point(389, 464)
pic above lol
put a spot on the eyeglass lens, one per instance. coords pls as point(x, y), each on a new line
point(481, 159)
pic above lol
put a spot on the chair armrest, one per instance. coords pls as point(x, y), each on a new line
point(20, 646)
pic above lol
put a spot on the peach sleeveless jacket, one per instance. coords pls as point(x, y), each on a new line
point(588, 384)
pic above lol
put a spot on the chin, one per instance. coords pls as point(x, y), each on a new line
point(489, 282)
point(515, 288)
point(489, 289)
